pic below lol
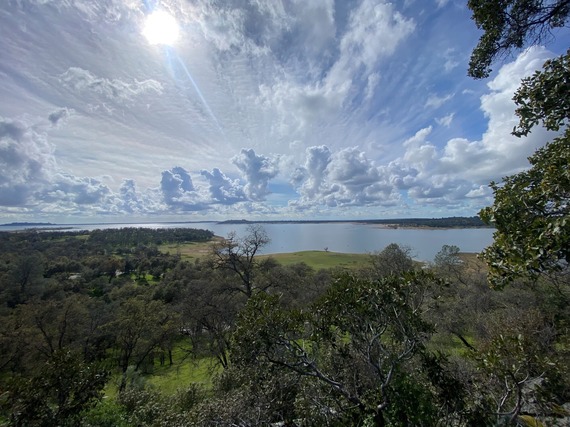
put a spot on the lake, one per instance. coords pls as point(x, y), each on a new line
point(361, 238)
point(338, 237)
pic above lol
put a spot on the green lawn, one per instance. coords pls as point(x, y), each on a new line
point(322, 259)
point(315, 259)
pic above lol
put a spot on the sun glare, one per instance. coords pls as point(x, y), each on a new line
point(161, 28)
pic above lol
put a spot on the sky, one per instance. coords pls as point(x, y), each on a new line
point(252, 109)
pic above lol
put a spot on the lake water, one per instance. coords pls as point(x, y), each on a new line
point(360, 238)
point(339, 237)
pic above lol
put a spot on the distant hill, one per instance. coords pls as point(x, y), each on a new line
point(27, 224)
point(449, 222)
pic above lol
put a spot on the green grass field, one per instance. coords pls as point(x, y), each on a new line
point(168, 379)
point(322, 259)
point(315, 259)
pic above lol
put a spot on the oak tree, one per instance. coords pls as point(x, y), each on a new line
point(531, 210)
point(512, 24)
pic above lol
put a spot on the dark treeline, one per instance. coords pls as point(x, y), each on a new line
point(132, 237)
point(392, 343)
point(448, 222)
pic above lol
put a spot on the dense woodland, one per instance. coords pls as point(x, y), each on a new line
point(88, 316)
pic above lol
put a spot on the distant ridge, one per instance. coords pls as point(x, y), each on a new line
point(27, 224)
point(446, 222)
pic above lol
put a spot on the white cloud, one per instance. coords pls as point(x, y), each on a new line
point(434, 101)
point(27, 161)
point(223, 189)
point(373, 33)
point(375, 30)
point(498, 153)
point(445, 120)
point(130, 201)
point(76, 190)
point(340, 179)
point(108, 89)
point(463, 168)
point(257, 170)
point(450, 60)
point(178, 190)
point(140, 130)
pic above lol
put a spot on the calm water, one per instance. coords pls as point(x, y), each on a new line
point(339, 237)
point(359, 238)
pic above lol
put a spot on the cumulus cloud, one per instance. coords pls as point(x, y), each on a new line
point(223, 189)
point(498, 153)
point(27, 162)
point(461, 169)
point(30, 176)
point(310, 178)
point(178, 190)
point(257, 170)
point(79, 190)
point(340, 179)
point(130, 201)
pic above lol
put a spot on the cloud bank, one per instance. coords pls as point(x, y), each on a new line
point(275, 110)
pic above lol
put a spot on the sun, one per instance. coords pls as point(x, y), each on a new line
point(161, 28)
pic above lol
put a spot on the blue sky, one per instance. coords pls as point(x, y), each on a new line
point(260, 109)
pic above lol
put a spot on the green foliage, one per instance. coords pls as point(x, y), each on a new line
point(517, 366)
point(305, 348)
point(532, 215)
point(57, 395)
point(351, 345)
point(532, 208)
point(142, 326)
point(543, 97)
point(392, 260)
point(511, 24)
point(447, 257)
point(108, 413)
point(131, 237)
point(145, 407)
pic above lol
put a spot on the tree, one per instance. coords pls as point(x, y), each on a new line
point(531, 210)
point(24, 280)
point(448, 263)
point(238, 256)
point(349, 350)
point(392, 260)
point(56, 396)
point(512, 24)
point(543, 97)
point(141, 326)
